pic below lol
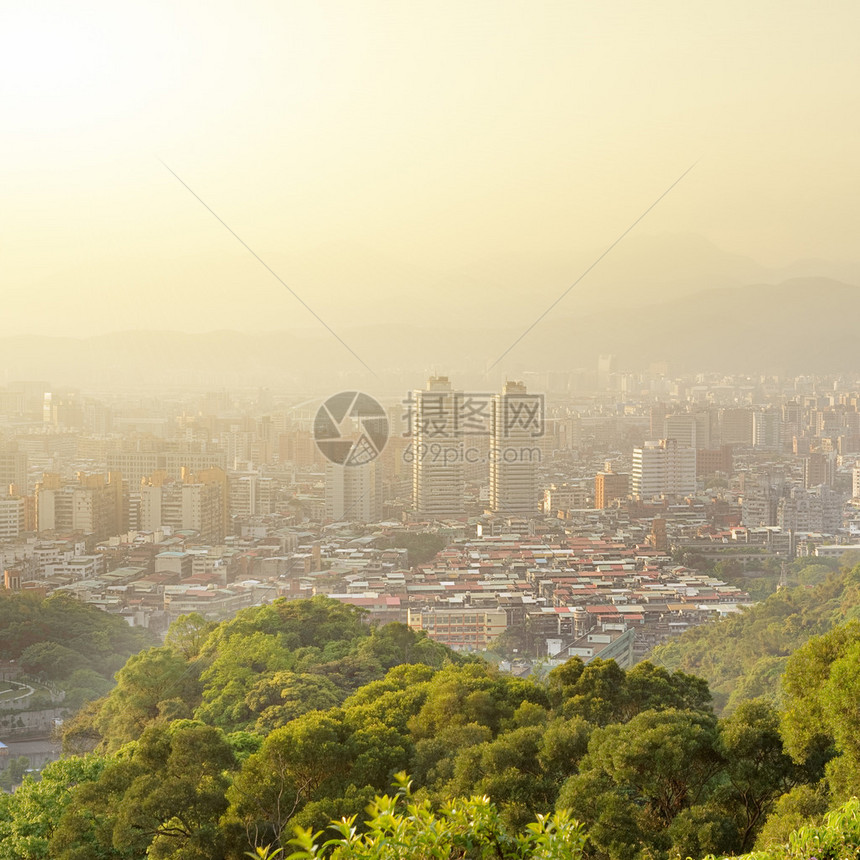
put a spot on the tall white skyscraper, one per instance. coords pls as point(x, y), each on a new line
point(514, 452)
point(353, 493)
point(438, 477)
point(766, 429)
point(663, 468)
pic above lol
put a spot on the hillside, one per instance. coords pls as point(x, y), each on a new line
point(231, 737)
point(65, 643)
point(744, 656)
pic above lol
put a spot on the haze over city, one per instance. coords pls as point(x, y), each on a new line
point(452, 167)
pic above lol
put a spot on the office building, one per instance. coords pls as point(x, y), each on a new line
point(353, 493)
point(663, 468)
point(438, 478)
point(93, 505)
point(515, 452)
point(609, 486)
point(767, 426)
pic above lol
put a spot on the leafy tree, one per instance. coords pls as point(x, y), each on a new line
point(758, 770)
point(27, 823)
point(188, 633)
point(161, 796)
point(638, 776)
point(803, 805)
point(743, 655)
point(508, 770)
point(402, 826)
point(240, 663)
point(377, 752)
point(563, 745)
point(473, 693)
point(67, 642)
point(820, 690)
point(393, 700)
point(837, 837)
point(14, 772)
point(303, 761)
point(601, 692)
point(282, 697)
point(52, 660)
point(594, 691)
point(395, 644)
point(155, 684)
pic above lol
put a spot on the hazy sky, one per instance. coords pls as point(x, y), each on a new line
point(409, 142)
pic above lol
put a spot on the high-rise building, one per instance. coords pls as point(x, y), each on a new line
point(606, 368)
point(689, 429)
point(514, 456)
point(766, 430)
point(250, 494)
point(609, 486)
point(819, 468)
point(759, 502)
point(12, 517)
point(815, 510)
point(353, 493)
point(134, 465)
point(709, 461)
point(199, 502)
point(663, 468)
point(206, 503)
point(560, 498)
point(93, 505)
point(438, 478)
point(736, 426)
point(297, 446)
point(682, 428)
point(13, 470)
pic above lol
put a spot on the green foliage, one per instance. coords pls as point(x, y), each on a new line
point(13, 773)
point(28, 817)
point(836, 838)
point(602, 693)
point(302, 762)
point(743, 656)
point(637, 777)
point(758, 770)
point(821, 720)
point(803, 805)
point(421, 546)
point(102, 639)
point(188, 633)
point(400, 826)
point(66, 642)
point(303, 714)
point(267, 666)
point(161, 796)
point(155, 684)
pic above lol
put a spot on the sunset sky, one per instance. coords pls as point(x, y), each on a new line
point(410, 142)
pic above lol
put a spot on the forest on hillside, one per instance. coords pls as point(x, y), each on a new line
point(235, 737)
point(744, 656)
point(65, 644)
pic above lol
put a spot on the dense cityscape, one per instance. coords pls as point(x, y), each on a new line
point(429, 431)
point(643, 506)
point(596, 515)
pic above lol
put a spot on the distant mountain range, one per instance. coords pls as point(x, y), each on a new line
point(669, 298)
